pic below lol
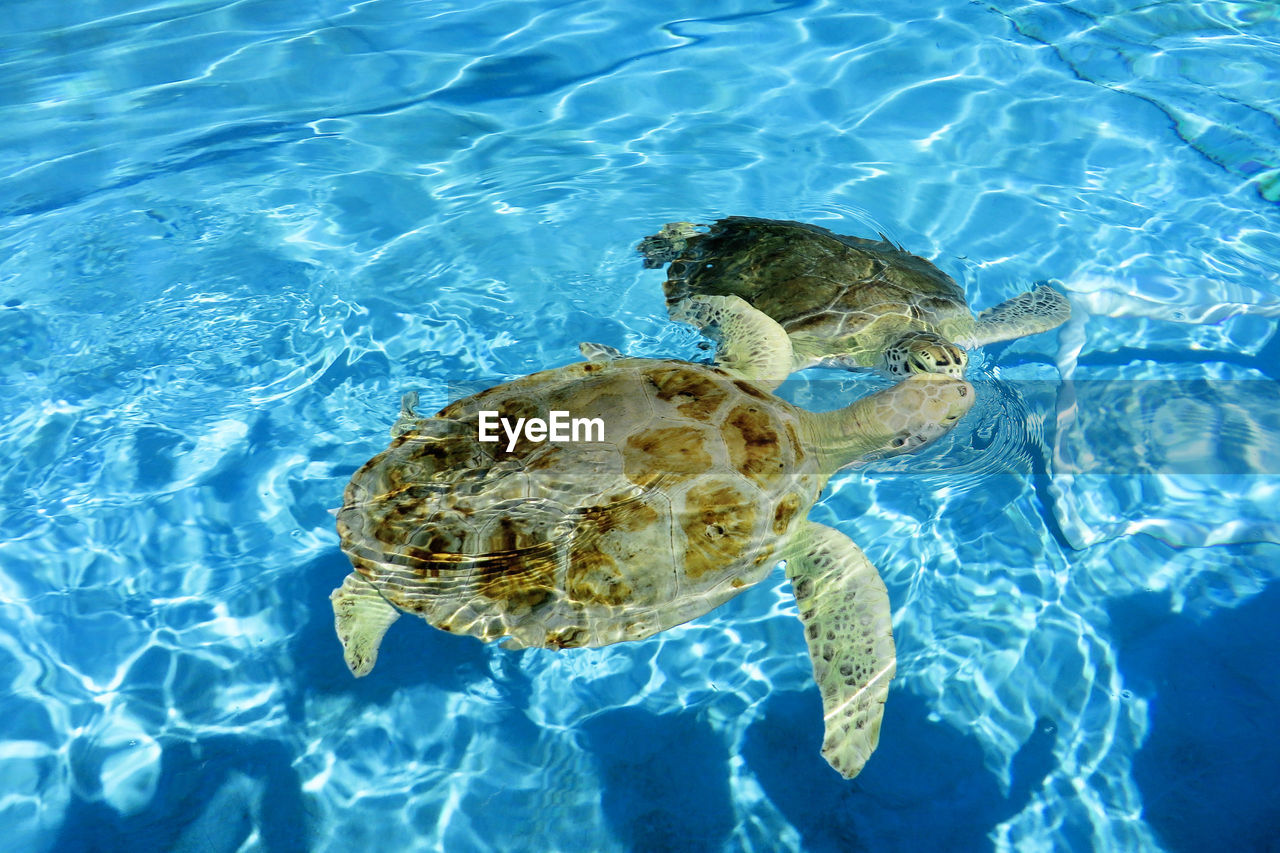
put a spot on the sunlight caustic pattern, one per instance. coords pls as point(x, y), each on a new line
point(235, 233)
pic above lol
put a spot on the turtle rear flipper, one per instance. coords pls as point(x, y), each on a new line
point(668, 244)
point(1027, 313)
point(599, 352)
point(751, 343)
point(427, 427)
point(848, 625)
point(361, 617)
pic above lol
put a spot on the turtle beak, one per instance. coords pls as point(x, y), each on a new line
point(944, 363)
point(958, 364)
point(918, 365)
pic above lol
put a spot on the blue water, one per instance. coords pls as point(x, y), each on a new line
point(233, 234)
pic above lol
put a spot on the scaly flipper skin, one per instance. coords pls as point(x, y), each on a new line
point(1028, 313)
point(752, 344)
point(361, 617)
point(848, 625)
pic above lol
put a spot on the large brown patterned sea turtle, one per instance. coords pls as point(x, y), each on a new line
point(697, 486)
point(845, 301)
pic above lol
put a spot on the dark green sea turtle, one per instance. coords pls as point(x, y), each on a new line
point(845, 301)
point(698, 485)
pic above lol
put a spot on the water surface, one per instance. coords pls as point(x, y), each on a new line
point(235, 233)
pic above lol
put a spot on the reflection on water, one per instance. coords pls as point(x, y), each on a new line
point(233, 238)
point(1189, 426)
point(1192, 460)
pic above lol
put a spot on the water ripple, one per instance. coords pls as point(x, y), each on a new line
point(235, 233)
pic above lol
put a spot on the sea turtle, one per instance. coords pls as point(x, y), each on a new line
point(845, 301)
point(697, 484)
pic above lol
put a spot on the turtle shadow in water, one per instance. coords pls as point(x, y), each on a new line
point(212, 796)
point(664, 779)
point(1208, 769)
point(925, 787)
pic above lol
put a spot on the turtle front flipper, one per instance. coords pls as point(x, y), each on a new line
point(751, 343)
point(1027, 313)
point(361, 617)
point(848, 625)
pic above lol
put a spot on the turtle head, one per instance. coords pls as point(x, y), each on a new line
point(918, 410)
point(924, 352)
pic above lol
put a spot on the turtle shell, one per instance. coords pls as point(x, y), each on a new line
point(685, 499)
point(814, 281)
